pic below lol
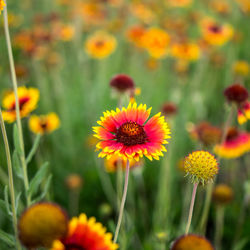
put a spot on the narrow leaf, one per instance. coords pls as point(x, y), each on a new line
point(6, 199)
point(16, 140)
point(7, 238)
point(37, 180)
point(33, 149)
point(45, 190)
point(17, 200)
point(17, 165)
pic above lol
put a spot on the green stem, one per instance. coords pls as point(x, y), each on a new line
point(11, 183)
point(219, 226)
point(122, 203)
point(18, 117)
point(203, 224)
point(191, 209)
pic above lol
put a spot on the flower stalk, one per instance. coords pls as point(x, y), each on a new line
point(18, 117)
point(10, 181)
point(191, 209)
point(122, 203)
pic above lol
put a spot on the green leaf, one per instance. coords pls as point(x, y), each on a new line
point(33, 149)
point(17, 165)
point(3, 206)
point(241, 244)
point(17, 200)
point(37, 180)
point(16, 140)
point(45, 190)
point(6, 199)
point(7, 238)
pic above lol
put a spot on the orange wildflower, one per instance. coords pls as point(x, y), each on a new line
point(186, 51)
point(100, 45)
point(156, 41)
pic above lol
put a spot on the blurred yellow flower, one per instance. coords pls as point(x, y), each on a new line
point(100, 44)
point(186, 51)
point(244, 5)
point(142, 12)
point(192, 242)
point(222, 7)
point(44, 123)
point(28, 99)
point(112, 164)
point(214, 33)
point(156, 41)
point(2, 5)
point(67, 33)
point(241, 68)
point(179, 3)
point(222, 194)
point(42, 223)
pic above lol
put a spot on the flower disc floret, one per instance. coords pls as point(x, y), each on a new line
point(201, 166)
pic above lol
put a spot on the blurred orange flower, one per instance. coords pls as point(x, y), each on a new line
point(134, 35)
point(2, 4)
point(44, 123)
point(112, 164)
point(156, 41)
point(179, 3)
point(100, 44)
point(142, 12)
point(214, 33)
point(186, 51)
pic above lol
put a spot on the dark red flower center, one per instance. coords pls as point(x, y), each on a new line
point(99, 44)
point(232, 134)
point(73, 247)
point(22, 101)
point(43, 124)
point(131, 133)
point(215, 28)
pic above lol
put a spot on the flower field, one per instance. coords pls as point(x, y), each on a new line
point(124, 124)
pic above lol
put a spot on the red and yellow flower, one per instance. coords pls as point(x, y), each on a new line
point(214, 33)
point(28, 99)
point(186, 51)
point(2, 5)
point(85, 234)
point(156, 42)
point(236, 144)
point(129, 134)
point(44, 123)
point(100, 44)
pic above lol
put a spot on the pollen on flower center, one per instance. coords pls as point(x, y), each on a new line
point(131, 133)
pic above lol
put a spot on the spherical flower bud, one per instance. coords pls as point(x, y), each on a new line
point(222, 194)
point(207, 134)
point(41, 224)
point(236, 93)
point(122, 83)
point(169, 109)
point(201, 166)
point(74, 181)
point(192, 242)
